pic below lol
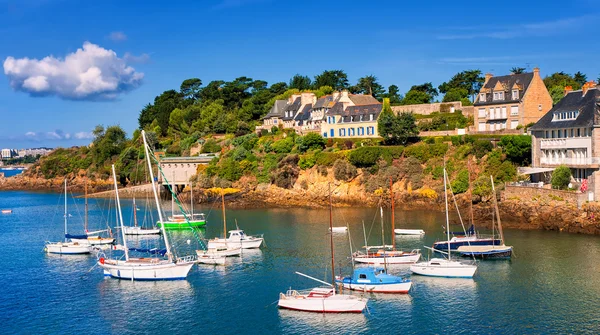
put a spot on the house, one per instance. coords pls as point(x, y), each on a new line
point(352, 115)
point(505, 102)
point(568, 135)
point(320, 108)
point(273, 118)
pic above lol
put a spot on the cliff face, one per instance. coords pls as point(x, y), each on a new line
point(27, 181)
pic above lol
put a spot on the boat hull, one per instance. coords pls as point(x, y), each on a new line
point(377, 288)
point(486, 252)
point(377, 260)
point(230, 252)
point(146, 270)
point(409, 232)
point(140, 231)
point(454, 245)
point(443, 268)
point(174, 225)
point(94, 241)
point(334, 304)
point(211, 259)
point(244, 244)
point(68, 248)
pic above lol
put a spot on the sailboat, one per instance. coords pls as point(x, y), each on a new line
point(444, 267)
point(489, 251)
point(179, 221)
point(386, 254)
point(469, 237)
point(92, 237)
point(138, 230)
point(146, 268)
point(67, 247)
point(323, 299)
point(237, 237)
point(372, 279)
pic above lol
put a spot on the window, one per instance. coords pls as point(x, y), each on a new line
point(540, 107)
point(546, 133)
point(351, 132)
point(578, 132)
point(482, 97)
point(331, 133)
point(515, 123)
point(553, 134)
point(351, 118)
point(371, 116)
point(492, 113)
point(481, 112)
point(504, 112)
point(571, 132)
point(361, 131)
point(515, 94)
point(362, 276)
point(514, 110)
point(498, 96)
point(342, 132)
point(559, 133)
point(325, 134)
point(481, 126)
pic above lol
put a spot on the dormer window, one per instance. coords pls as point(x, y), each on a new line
point(371, 117)
point(498, 96)
point(515, 94)
point(482, 97)
point(563, 116)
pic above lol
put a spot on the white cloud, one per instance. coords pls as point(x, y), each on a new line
point(57, 135)
point(131, 58)
point(117, 36)
point(90, 73)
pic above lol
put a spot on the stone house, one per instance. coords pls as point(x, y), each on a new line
point(352, 115)
point(505, 102)
point(275, 115)
point(569, 135)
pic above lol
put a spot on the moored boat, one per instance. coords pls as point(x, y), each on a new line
point(375, 280)
point(409, 232)
point(6, 211)
point(237, 237)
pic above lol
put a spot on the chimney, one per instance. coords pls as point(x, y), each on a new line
point(293, 98)
point(335, 95)
point(345, 94)
point(536, 71)
point(568, 89)
point(487, 77)
point(587, 86)
point(307, 98)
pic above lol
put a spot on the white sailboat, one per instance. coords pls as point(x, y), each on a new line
point(138, 230)
point(442, 267)
point(323, 299)
point(237, 238)
point(386, 254)
point(146, 268)
point(66, 247)
point(92, 237)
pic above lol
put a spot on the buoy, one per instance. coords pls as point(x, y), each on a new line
point(188, 242)
point(102, 260)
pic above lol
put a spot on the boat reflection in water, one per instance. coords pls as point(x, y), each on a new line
point(294, 322)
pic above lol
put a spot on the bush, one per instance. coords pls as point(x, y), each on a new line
point(289, 160)
point(323, 170)
point(283, 146)
point(311, 141)
point(481, 148)
point(264, 132)
point(561, 177)
point(517, 148)
point(247, 141)
point(461, 183)
point(210, 146)
point(269, 163)
point(365, 156)
point(342, 170)
point(307, 161)
point(285, 176)
point(327, 158)
point(239, 154)
point(229, 169)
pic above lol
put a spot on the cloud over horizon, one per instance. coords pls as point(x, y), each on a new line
point(57, 135)
point(117, 36)
point(90, 73)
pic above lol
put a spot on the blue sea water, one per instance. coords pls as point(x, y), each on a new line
point(551, 286)
point(10, 173)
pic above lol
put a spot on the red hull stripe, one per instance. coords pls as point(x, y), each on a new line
point(303, 310)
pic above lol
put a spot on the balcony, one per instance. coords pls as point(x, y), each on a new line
point(566, 143)
point(570, 161)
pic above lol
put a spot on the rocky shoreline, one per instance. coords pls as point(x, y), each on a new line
point(515, 214)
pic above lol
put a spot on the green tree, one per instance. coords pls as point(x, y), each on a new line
point(470, 80)
point(369, 85)
point(190, 88)
point(300, 82)
point(396, 129)
point(456, 94)
point(557, 93)
point(561, 177)
point(278, 88)
point(517, 148)
point(311, 141)
point(517, 70)
point(416, 97)
point(176, 121)
point(394, 95)
point(337, 79)
point(427, 88)
point(108, 144)
point(561, 79)
point(580, 78)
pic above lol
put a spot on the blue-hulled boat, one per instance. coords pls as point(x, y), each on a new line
point(470, 239)
point(376, 280)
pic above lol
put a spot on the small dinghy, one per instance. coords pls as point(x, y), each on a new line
point(6, 211)
point(338, 229)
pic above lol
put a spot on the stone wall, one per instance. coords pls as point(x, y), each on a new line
point(426, 109)
point(543, 195)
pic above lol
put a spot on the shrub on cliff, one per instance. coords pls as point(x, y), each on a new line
point(517, 148)
point(210, 146)
point(287, 172)
point(481, 148)
point(327, 158)
point(247, 141)
point(423, 151)
point(268, 165)
point(365, 156)
point(461, 183)
point(342, 170)
point(307, 161)
point(283, 146)
point(229, 169)
point(311, 141)
point(561, 177)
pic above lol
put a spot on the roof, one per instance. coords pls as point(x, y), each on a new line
point(323, 101)
point(360, 110)
point(277, 109)
point(530, 170)
point(304, 114)
point(508, 82)
point(587, 105)
point(293, 107)
point(363, 99)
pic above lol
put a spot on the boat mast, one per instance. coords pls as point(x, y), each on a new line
point(172, 197)
point(365, 235)
point(224, 218)
point(192, 200)
point(120, 214)
point(393, 220)
point(470, 191)
point(447, 220)
point(66, 209)
point(160, 218)
point(331, 239)
point(497, 211)
point(382, 233)
point(134, 213)
point(85, 220)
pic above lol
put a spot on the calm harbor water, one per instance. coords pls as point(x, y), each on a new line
point(552, 285)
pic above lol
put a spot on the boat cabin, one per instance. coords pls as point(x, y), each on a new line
point(237, 235)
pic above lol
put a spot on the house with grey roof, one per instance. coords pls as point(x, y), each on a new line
point(569, 135)
point(275, 115)
point(352, 115)
point(505, 102)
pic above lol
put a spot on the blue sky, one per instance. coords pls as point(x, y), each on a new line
point(147, 47)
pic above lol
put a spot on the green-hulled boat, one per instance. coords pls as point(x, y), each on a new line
point(178, 222)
